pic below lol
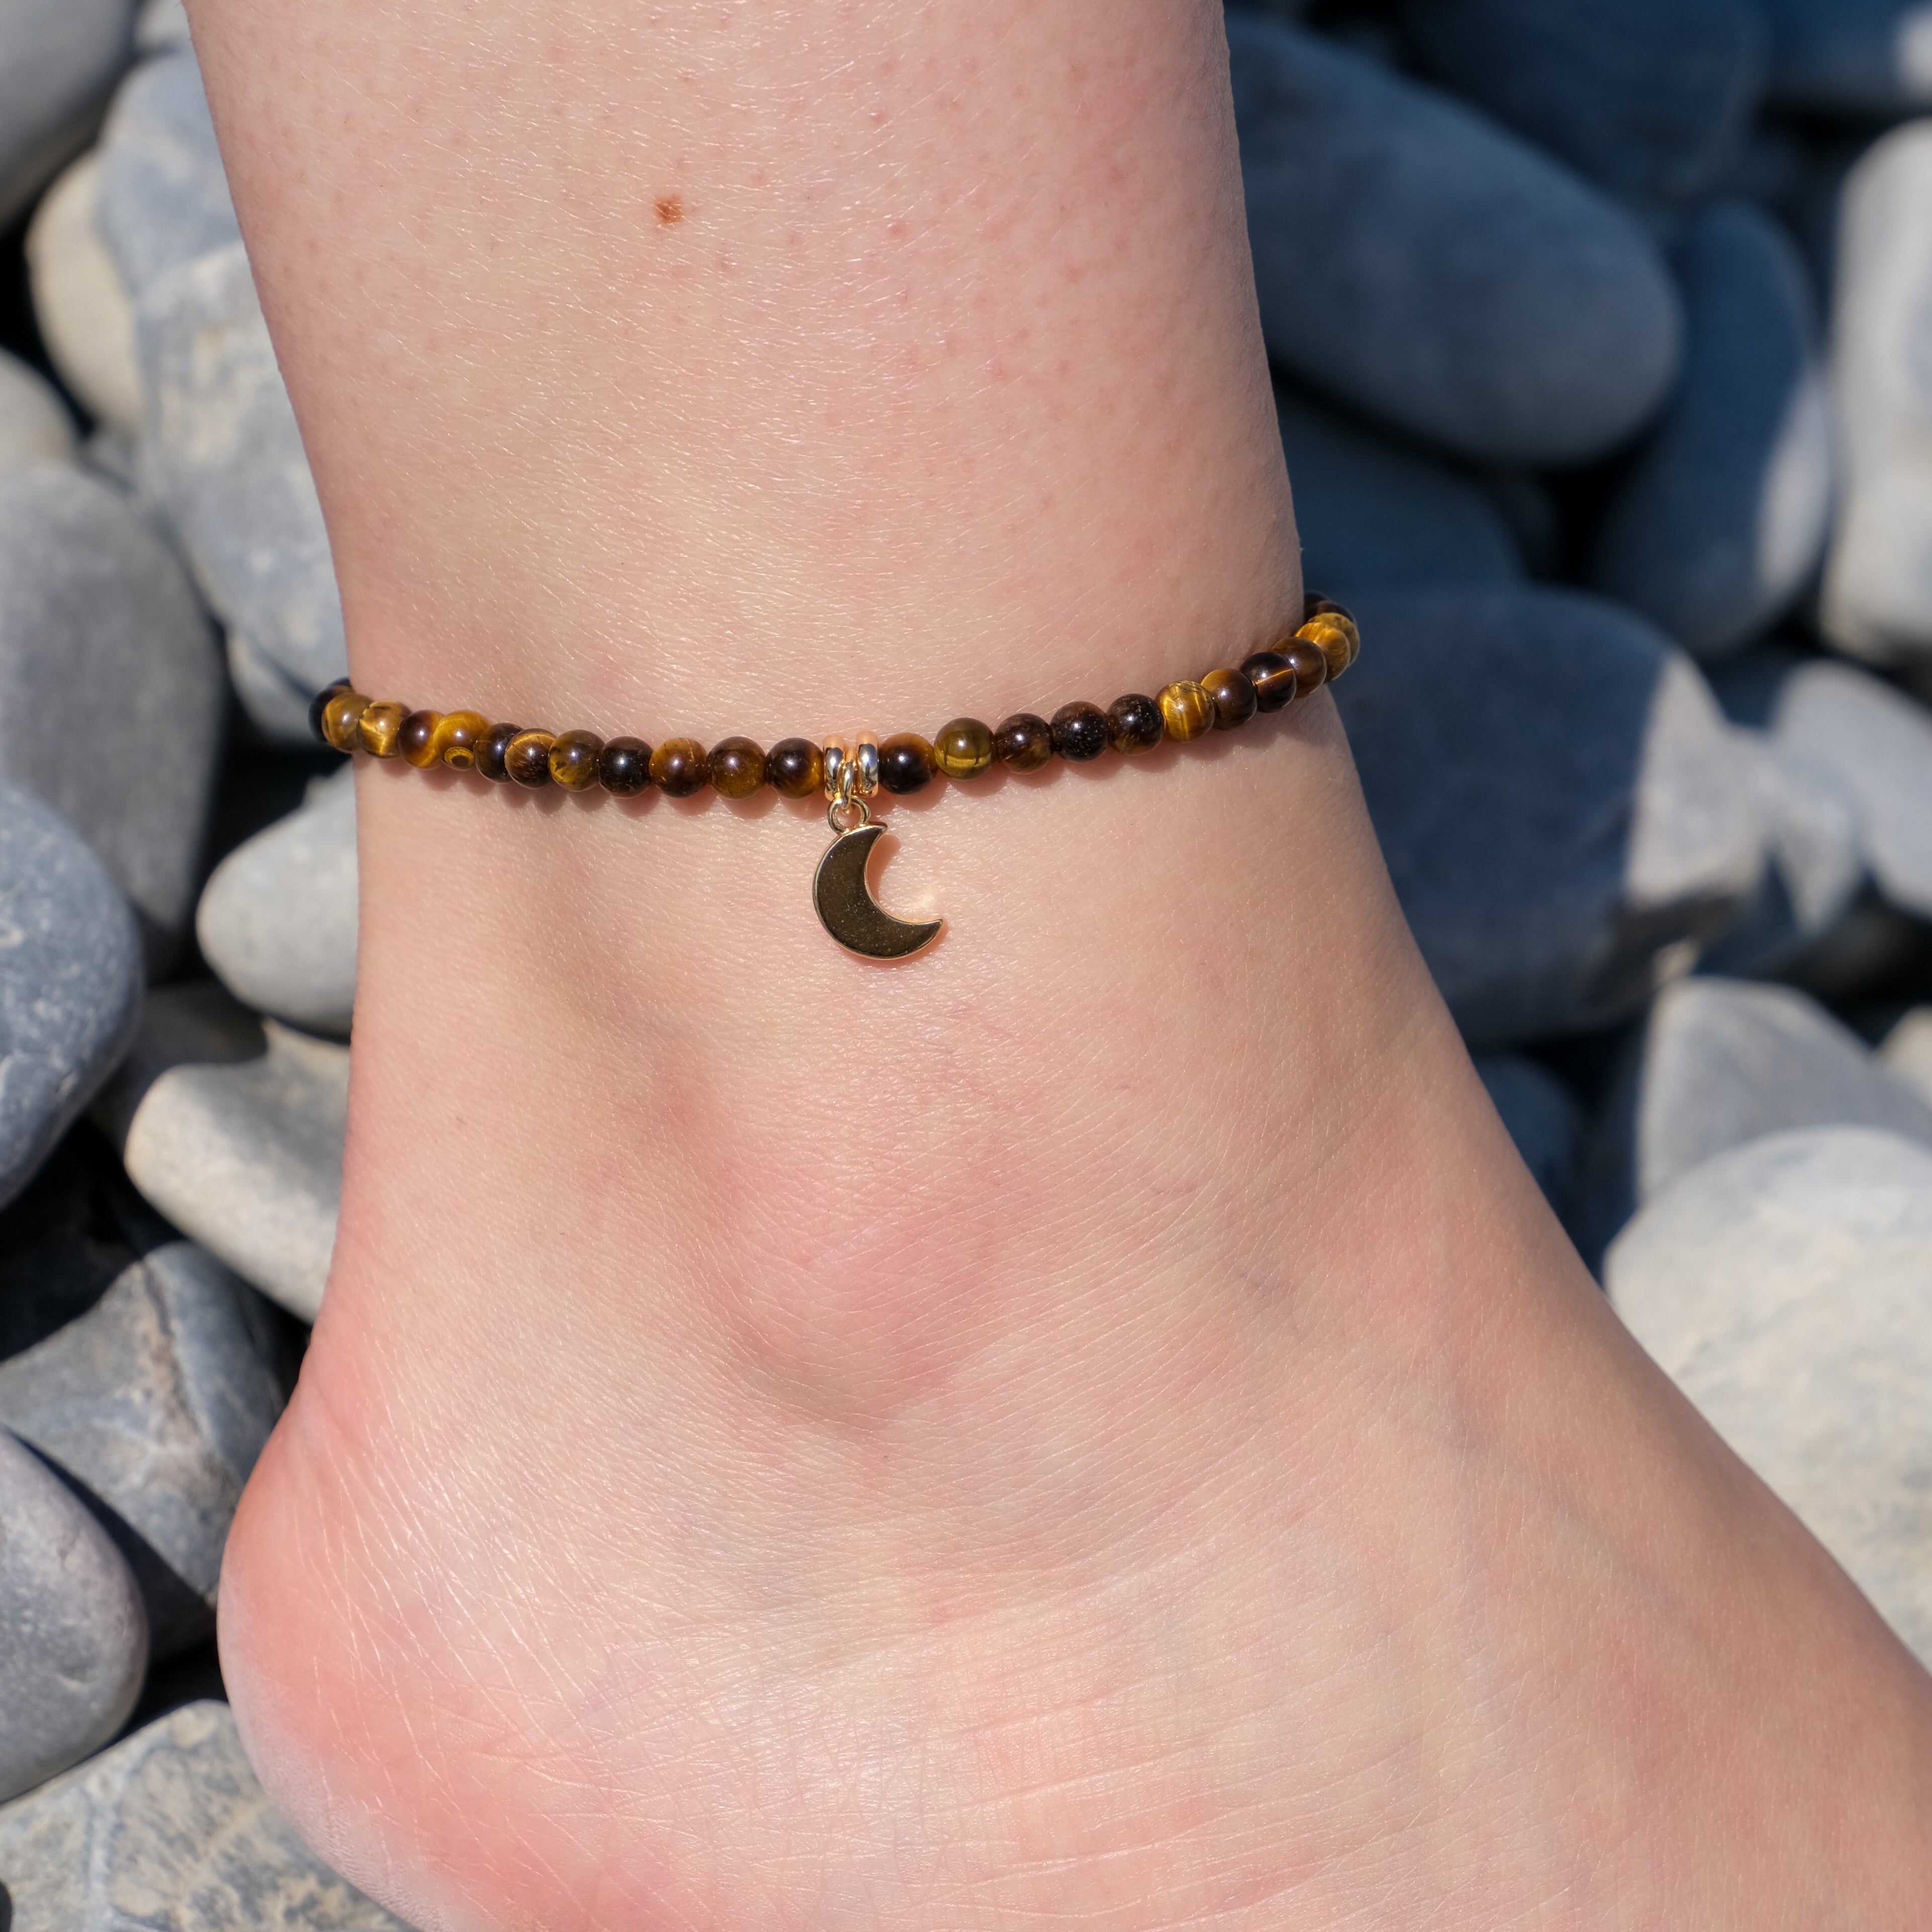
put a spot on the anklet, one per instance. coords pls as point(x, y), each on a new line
point(1324, 647)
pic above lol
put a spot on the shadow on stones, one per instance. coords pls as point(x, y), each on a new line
point(6, 1909)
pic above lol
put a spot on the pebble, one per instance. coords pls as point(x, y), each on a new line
point(1722, 522)
point(1544, 1119)
point(170, 1831)
point(157, 1402)
point(1906, 1053)
point(71, 977)
point(1786, 1288)
point(163, 195)
point(1435, 272)
point(161, 24)
point(76, 1648)
point(223, 457)
point(85, 314)
point(102, 644)
point(1717, 1064)
point(233, 1130)
point(58, 59)
point(1866, 56)
point(1877, 743)
point(1877, 600)
point(34, 425)
point(1650, 98)
point(1563, 811)
point(1370, 511)
point(278, 920)
point(277, 703)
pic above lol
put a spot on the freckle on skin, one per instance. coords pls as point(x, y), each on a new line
point(670, 209)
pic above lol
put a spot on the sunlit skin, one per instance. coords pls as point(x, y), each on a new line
point(1091, 1427)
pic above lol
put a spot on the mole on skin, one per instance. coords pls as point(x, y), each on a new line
point(670, 209)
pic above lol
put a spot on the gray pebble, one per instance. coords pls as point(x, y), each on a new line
point(58, 59)
point(1786, 1289)
point(157, 1402)
point(1718, 1064)
point(233, 1130)
point(85, 314)
point(102, 644)
point(1722, 522)
point(1906, 1053)
point(1564, 812)
point(161, 24)
point(1421, 265)
point(1370, 512)
point(74, 1636)
point(34, 425)
point(70, 976)
point(1866, 56)
point(1544, 1118)
point(224, 460)
point(278, 920)
point(1652, 98)
point(170, 1831)
point(277, 702)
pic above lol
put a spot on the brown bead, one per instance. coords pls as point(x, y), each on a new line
point(963, 749)
point(526, 758)
point(1272, 677)
point(321, 698)
point(418, 741)
point(1314, 604)
point(737, 767)
point(1079, 732)
point(1133, 724)
point(1186, 711)
point(795, 767)
point(906, 763)
point(457, 734)
point(679, 769)
point(573, 760)
point(489, 750)
point(1232, 696)
point(624, 767)
point(340, 715)
point(1023, 742)
point(1308, 661)
point(1336, 645)
point(380, 728)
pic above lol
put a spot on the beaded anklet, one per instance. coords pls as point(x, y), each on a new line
point(1324, 647)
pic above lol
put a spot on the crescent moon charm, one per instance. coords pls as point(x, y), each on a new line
point(848, 910)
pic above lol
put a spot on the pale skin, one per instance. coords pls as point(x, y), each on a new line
point(1092, 1428)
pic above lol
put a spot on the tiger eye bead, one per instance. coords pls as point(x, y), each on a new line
point(457, 733)
point(679, 769)
point(1080, 732)
point(1334, 632)
point(1133, 724)
point(526, 758)
point(573, 760)
point(1272, 677)
point(1309, 663)
point(1232, 696)
point(795, 767)
point(380, 729)
point(906, 763)
point(963, 749)
point(1186, 711)
point(321, 698)
point(340, 715)
point(417, 740)
point(737, 767)
point(490, 748)
point(624, 767)
point(1023, 742)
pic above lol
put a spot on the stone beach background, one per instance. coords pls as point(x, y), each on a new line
point(1603, 338)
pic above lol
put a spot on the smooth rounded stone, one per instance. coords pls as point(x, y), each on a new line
point(1371, 511)
point(1877, 599)
point(161, 24)
point(1544, 1119)
point(1860, 56)
point(236, 1137)
point(156, 1402)
point(70, 979)
point(277, 919)
point(75, 1649)
point(170, 1831)
point(164, 199)
point(1718, 1064)
point(1786, 1289)
point(1906, 1053)
point(1721, 524)
point(223, 459)
point(1563, 811)
point(1817, 867)
point(1422, 264)
point(276, 703)
point(102, 645)
point(1877, 743)
point(85, 314)
point(34, 425)
point(57, 60)
point(1652, 98)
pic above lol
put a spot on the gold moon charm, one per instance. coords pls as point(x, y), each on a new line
point(848, 910)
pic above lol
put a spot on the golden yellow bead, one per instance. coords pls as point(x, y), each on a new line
point(963, 749)
point(380, 728)
point(341, 712)
point(457, 735)
point(1186, 711)
point(1336, 637)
